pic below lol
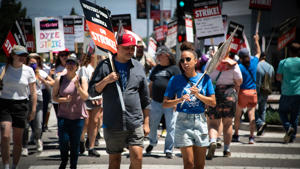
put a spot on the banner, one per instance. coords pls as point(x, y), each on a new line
point(49, 33)
point(172, 34)
point(287, 32)
point(98, 21)
point(238, 40)
point(152, 46)
point(260, 4)
point(189, 29)
point(141, 9)
point(14, 37)
point(208, 21)
point(69, 32)
point(125, 19)
point(27, 24)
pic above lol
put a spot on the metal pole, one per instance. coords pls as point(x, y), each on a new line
point(148, 19)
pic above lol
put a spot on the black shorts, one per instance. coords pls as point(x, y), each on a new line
point(14, 111)
point(226, 98)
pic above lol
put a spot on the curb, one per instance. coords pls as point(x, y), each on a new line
point(269, 128)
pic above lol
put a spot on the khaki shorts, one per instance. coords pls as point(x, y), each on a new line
point(117, 140)
point(247, 98)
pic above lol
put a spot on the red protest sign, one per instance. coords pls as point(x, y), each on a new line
point(8, 43)
point(260, 4)
point(159, 33)
point(15, 37)
point(238, 39)
point(98, 21)
point(287, 32)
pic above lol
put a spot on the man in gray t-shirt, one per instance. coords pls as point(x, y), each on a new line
point(263, 68)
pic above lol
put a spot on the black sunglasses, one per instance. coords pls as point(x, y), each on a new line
point(187, 59)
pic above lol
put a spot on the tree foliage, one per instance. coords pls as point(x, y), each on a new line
point(10, 10)
point(73, 11)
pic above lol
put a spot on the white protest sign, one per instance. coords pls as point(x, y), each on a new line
point(49, 34)
point(208, 21)
point(79, 28)
point(152, 47)
point(172, 34)
point(189, 29)
point(69, 32)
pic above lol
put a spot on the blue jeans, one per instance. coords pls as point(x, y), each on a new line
point(289, 104)
point(170, 116)
point(69, 132)
point(260, 114)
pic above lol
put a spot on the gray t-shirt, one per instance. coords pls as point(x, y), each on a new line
point(263, 67)
point(16, 82)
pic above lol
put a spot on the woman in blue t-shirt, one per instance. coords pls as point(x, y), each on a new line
point(191, 134)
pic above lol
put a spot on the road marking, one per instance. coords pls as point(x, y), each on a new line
point(126, 166)
point(177, 153)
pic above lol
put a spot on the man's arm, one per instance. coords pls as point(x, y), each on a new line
point(146, 121)
point(257, 47)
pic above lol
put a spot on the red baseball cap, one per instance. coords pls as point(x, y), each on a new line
point(127, 40)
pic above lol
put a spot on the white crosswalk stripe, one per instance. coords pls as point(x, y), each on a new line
point(126, 166)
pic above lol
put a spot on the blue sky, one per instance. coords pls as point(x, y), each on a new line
point(41, 8)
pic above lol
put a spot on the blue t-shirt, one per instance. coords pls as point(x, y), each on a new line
point(123, 72)
point(178, 86)
point(249, 81)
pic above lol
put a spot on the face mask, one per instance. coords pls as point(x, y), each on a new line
point(33, 66)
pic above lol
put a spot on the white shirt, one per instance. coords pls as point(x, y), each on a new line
point(86, 71)
point(39, 85)
point(16, 82)
point(227, 77)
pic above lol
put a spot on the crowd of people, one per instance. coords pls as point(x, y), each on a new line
point(127, 95)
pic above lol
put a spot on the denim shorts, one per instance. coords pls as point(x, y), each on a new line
point(116, 140)
point(191, 130)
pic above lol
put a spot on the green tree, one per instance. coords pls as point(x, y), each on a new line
point(73, 11)
point(10, 10)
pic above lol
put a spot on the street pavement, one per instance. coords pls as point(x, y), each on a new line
point(268, 152)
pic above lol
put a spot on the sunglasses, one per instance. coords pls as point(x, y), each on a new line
point(187, 59)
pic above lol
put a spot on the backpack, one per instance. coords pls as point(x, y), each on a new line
point(266, 85)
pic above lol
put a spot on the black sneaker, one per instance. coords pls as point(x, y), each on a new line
point(169, 155)
point(82, 148)
point(219, 142)
point(93, 153)
point(211, 151)
point(226, 153)
point(261, 129)
point(87, 143)
point(288, 135)
point(149, 149)
point(235, 138)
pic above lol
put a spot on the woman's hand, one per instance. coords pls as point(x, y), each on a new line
point(194, 90)
point(68, 98)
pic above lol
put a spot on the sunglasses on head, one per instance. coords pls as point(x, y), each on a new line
point(187, 59)
point(22, 55)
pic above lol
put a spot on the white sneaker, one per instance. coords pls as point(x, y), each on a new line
point(39, 145)
point(24, 152)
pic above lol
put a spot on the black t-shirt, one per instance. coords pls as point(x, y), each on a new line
point(160, 77)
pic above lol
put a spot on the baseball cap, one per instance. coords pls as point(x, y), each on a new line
point(66, 51)
point(162, 50)
point(73, 58)
point(19, 50)
point(127, 40)
point(244, 52)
